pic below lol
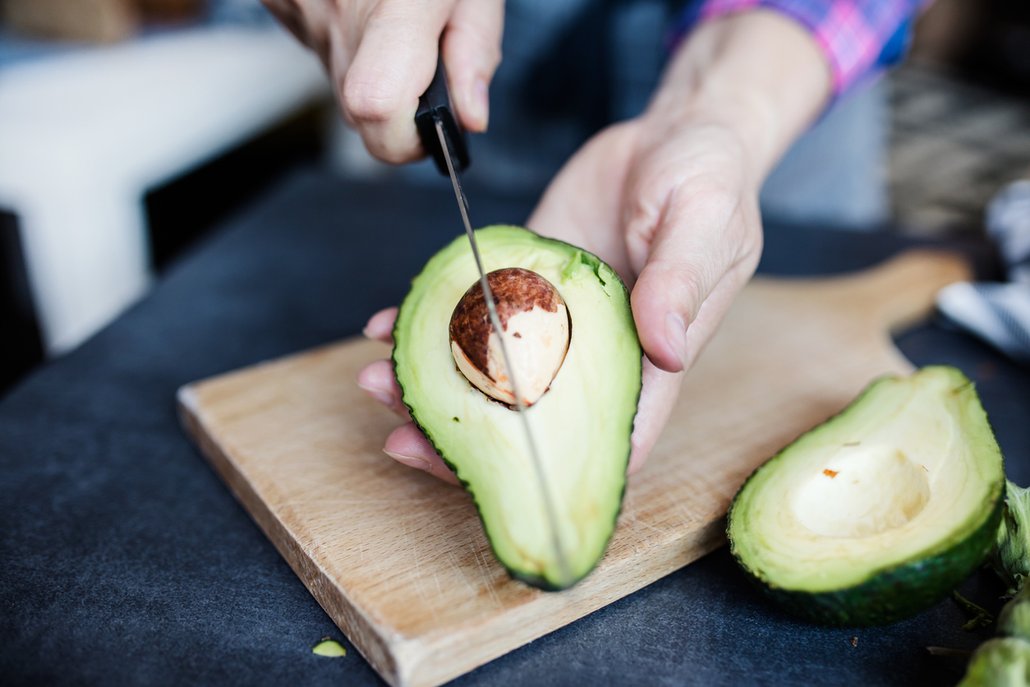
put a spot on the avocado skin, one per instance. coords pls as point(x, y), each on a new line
point(534, 580)
point(892, 594)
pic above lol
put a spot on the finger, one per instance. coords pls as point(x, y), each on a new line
point(688, 256)
point(393, 65)
point(341, 41)
point(380, 325)
point(660, 389)
point(658, 395)
point(378, 380)
point(715, 307)
point(471, 53)
point(408, 446)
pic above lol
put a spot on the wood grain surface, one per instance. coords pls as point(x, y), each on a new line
point(399, 560)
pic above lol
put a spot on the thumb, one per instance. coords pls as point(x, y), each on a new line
point(471, 53)
point(687, 257)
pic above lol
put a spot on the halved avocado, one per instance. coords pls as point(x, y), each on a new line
point(879, 512)
point(581, 423)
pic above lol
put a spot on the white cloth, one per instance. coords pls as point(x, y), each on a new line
point(999, 312)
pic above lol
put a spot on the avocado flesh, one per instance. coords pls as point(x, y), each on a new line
point(882, 510)
point(581, 425)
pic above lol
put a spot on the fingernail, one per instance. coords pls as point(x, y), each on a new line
point(676, 335)
point(411, 461)
point(380, 395)
point(480, 104)
point(364, 332)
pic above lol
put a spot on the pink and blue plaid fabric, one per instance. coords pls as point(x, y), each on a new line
point(856, 36)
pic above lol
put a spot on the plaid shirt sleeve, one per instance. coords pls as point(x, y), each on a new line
point(856, 36)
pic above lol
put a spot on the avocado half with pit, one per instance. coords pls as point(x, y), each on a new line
point(569, 333)
point(881, 511)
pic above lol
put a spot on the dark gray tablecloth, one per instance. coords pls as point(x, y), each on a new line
point(124, 560)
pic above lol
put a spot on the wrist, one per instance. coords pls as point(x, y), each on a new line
point(757, 75)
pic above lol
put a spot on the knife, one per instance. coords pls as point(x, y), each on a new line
point(445, 140)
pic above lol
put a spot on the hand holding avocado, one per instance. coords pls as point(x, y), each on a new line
point(669, 200)
point(675, 259)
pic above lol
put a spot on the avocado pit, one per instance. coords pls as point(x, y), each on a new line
point(535, 327)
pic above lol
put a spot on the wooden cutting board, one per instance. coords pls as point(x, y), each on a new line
point(399, 560)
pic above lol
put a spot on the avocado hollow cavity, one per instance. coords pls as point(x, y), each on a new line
point(862, 491)
point(535, 327)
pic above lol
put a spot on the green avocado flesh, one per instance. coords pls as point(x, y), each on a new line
point(581, 425)
point(879, 512)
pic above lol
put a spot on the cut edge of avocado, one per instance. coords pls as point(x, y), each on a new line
point(601, 270)
point(904, 587)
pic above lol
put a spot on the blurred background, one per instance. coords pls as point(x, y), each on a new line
point(130, 129)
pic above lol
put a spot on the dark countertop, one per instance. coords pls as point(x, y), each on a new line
point(126, 561)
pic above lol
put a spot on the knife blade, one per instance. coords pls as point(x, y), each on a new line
point(444, 139)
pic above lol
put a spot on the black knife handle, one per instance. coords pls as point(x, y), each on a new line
point(433, 106)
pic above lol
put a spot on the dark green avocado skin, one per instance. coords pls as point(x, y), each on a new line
point(892, 594)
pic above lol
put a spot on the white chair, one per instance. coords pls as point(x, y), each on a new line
point(85, 134)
